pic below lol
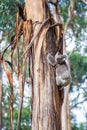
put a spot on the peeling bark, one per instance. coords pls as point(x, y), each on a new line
point(46, 103)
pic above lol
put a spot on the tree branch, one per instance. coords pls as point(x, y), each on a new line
point(13, 42)
point(85, 2)
point(70, 15)
point(71, 107)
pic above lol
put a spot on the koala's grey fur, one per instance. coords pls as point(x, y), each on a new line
point(61, 63)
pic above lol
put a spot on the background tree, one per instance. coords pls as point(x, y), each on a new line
point(0, 97)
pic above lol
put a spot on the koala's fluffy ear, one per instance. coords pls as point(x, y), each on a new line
point(51, 59)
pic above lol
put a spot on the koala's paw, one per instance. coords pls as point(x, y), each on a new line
point(51, 59)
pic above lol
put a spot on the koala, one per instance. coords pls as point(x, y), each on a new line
point(62, 68)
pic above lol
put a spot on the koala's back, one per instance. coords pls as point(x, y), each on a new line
point(60, 69)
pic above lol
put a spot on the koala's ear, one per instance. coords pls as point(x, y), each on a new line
point(51, 59)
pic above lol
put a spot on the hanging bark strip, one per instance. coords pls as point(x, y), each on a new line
point(17, 45)
point(19, 77)
point(8, 73)
point(27, 31)
point(27, 35)
point(35, 36)
point(13, 42)
point(9, 76)
point(21, 88)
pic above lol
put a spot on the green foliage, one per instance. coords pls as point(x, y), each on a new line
point(5, 108)
point(78, 67)
point(75, 125)
point(26, 111)
point(7, 17)
point(79, 20)
point(7, 13)
point(25, 119)
point(78, 127)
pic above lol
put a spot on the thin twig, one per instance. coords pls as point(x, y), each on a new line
point(78, 104)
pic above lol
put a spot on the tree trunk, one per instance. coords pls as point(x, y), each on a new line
point(46, 101)
point(68, 114)
point(0, 97)
point(65, 115)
